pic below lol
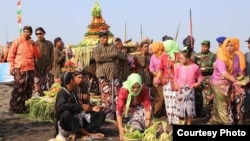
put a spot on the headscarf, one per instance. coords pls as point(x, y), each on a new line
point(128, 84)
point(157, 48)
point(239, 53)
point(226, 57)
point(171, 47)
point(66, 77)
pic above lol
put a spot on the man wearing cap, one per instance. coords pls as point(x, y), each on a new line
point(21, 57)
point(43, 76)
point(105, 56)
point(247, 100)
point(59, 58)
point(205, 60)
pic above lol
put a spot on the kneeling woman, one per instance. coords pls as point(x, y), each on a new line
point(135, 97)
point(67, 107)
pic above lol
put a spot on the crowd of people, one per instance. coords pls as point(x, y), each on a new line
point(159, 80)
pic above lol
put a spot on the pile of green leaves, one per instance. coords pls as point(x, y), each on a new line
point(131, 133)
point(40, 109)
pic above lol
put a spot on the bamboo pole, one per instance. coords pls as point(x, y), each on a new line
point(125, 36)
point(191, 28)
point(177, 32)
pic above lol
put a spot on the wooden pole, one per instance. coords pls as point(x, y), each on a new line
point(177, 32)
point(191, 28)
point(125, 38)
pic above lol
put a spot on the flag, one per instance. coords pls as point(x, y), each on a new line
point(19, 17)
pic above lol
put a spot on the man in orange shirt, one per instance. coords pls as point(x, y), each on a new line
point(22, 57)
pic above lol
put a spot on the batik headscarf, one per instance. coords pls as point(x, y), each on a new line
point(157, 48)
point(128, 84)
point(226, 57)
point(239, 53)
point(171, 47)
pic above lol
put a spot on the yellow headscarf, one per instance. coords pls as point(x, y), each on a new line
point(239, 53)
point(226, 57)
point(157, 48)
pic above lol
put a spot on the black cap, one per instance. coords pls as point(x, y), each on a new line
point(40, 29)
point(248, 40)
point(29, 28)
point(57, 39)
point(117, 40)
point(103, 33)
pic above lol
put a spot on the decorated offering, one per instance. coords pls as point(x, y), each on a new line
point(83, 51)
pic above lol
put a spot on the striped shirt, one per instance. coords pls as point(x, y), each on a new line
point(106, 65)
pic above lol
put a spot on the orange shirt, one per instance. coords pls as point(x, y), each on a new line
point(22, 54)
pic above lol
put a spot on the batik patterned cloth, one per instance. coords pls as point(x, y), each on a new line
point(185, 102)
point(109, 100)
point(23, 86)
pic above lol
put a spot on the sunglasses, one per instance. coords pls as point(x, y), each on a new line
point(39, 33)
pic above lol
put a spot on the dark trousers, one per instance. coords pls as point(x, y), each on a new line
point(96, 121)
point(69, 122)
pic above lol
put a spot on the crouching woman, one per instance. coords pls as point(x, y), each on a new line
point(67, 107)
point(134, 98)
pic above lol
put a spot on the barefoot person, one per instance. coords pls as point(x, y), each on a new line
point(22, 65)
point(67, 108)
point(185, 75)
point(43, 76)
point(223, 82)
point(134, 97)
point(92, 116)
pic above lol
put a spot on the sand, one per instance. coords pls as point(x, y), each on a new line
point(15, 128)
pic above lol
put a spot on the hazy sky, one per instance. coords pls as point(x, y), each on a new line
point(69, 19)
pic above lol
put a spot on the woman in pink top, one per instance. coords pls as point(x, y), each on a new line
point(223, 82)
point(22, 55)
point(185, 75)
point(157, 92)
point(165, 78)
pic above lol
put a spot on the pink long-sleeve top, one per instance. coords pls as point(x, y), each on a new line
point(187, 75)
point(143, 98)
point(154, 63)
point(220, 68)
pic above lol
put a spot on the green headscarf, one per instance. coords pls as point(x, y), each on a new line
point(128, 84)
point(171, 47)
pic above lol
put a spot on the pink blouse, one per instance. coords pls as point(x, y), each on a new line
point(187, 76)
point(154, 63)
point(143, 99)
point(220, 68)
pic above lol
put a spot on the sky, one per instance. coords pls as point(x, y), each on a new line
point(69, 19)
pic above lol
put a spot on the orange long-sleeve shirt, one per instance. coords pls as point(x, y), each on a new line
point(22, 54)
